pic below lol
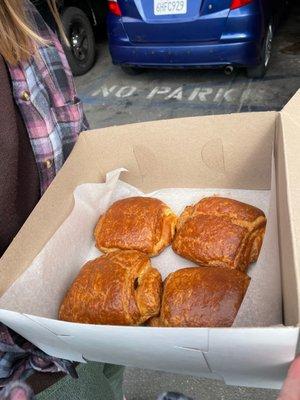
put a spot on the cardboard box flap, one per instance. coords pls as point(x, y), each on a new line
point(262, 359)
point(143, 347)
point(288, 144)
point(253, 345)
point(292, 108)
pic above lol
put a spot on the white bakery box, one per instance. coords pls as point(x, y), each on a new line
point(228, 152)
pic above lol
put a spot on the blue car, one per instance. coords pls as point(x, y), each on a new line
point(193, 33)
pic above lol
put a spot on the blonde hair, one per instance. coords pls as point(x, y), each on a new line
point(18, 40)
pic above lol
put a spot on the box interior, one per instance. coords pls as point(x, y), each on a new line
point(232, 151)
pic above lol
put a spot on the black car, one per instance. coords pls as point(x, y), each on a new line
point(82, 20)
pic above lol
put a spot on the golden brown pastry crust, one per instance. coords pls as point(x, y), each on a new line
point(220, 232)
point(201, 297)
point(140, 223)
point(119, 288)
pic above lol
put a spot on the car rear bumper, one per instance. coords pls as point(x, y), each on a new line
point(195, 55)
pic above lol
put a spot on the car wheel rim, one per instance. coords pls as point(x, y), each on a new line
point(269, 40)
point(79, 41)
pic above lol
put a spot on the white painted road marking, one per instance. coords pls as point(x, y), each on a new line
point(208, 95)
point(125, 91)
point(104, 90)
point(158, 90)
point(200, 93)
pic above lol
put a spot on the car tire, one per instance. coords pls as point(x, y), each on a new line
point(131, 70)
point(260, 70)
point(82, 50)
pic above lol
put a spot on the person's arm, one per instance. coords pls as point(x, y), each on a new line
point(291, 386)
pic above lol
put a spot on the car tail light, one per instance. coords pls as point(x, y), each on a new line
point(239, 3)
point(114, 8)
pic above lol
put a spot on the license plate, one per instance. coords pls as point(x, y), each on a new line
point(170, 7)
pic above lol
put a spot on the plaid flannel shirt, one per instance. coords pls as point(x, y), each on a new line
point(44, 90)
point(19, 358)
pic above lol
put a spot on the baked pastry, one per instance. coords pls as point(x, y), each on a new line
point(201, 297)
point(220, 232)
point(139, 223)
point(120, 288)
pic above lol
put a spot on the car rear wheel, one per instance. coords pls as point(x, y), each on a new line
point(79, 31)
point(260, 70)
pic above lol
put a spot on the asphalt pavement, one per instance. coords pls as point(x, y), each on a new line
point(111, 97)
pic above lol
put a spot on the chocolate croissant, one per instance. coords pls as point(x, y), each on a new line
point(220, 232)
point(138, 223)
point(201, 297)
point(120, 288)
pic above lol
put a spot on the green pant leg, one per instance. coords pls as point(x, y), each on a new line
point(114, 375)
point(96, 382)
